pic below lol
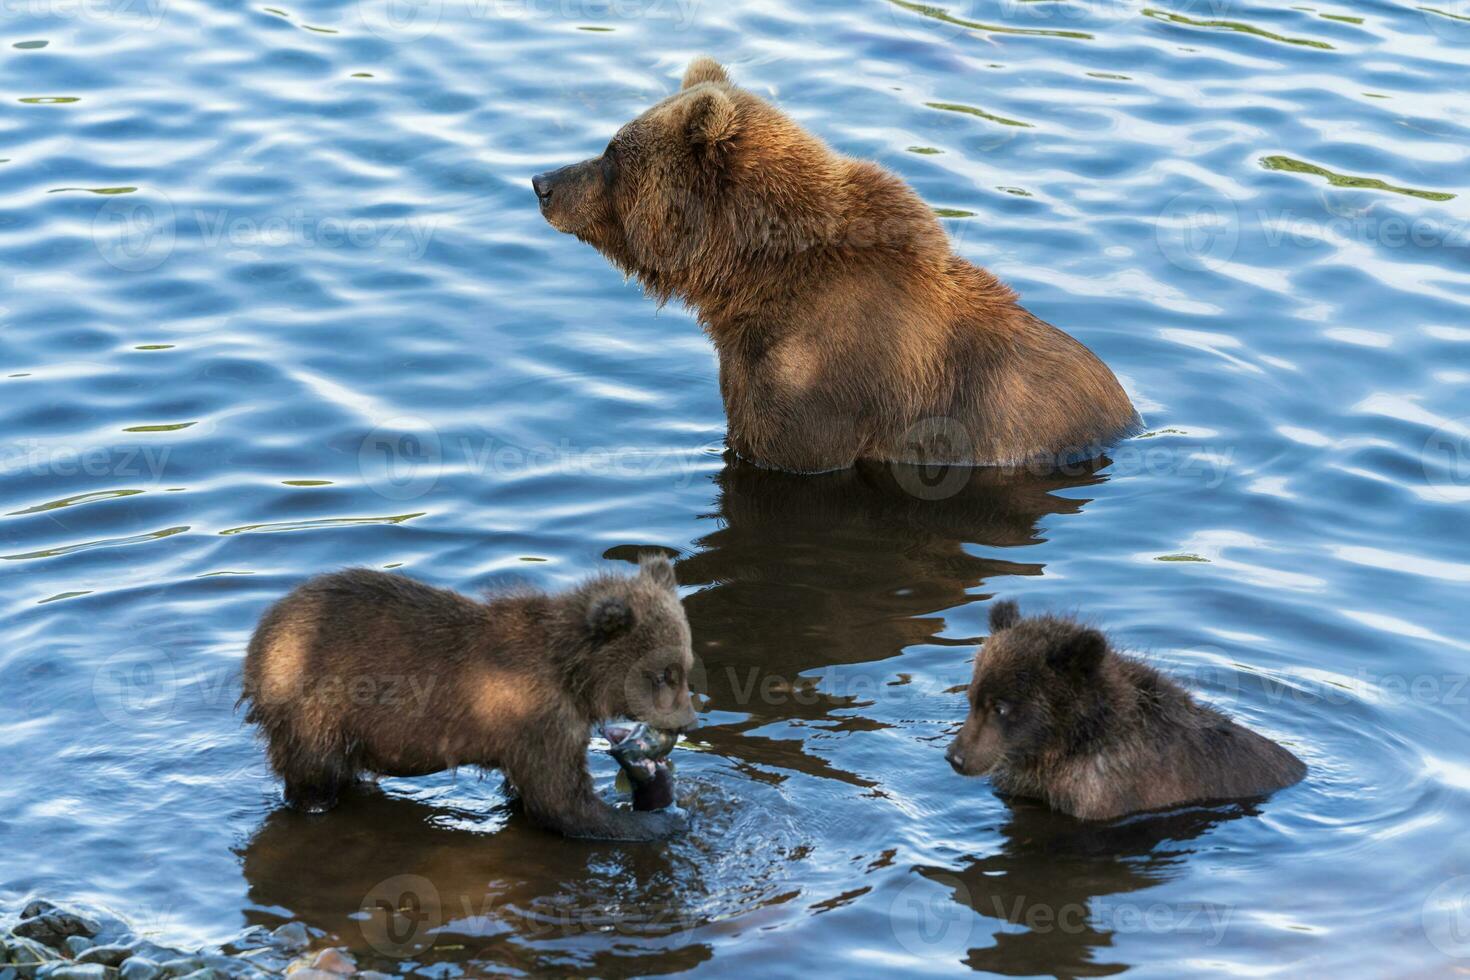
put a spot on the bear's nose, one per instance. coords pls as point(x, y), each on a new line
point(541, 184)
point(956, 761)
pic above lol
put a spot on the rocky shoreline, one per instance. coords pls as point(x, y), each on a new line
point(45, 941)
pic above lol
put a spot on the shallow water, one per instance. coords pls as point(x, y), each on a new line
point(275, 298)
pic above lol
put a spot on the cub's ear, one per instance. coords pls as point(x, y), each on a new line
point(608, 618)
point(704, 70)
point(659, 570)
point(1004, 615)
point(1079, 653)
point(711, 119)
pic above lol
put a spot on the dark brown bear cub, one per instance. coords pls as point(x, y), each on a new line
point(1055, 714)
point(846, 326)
point(363, 672)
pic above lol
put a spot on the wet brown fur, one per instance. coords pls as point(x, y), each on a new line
point(1057, 715)
point(843, 320)
point(364, 672)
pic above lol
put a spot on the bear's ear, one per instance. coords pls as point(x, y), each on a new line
point(704, 70)
point(711, 119)
point(1079, 654)
point(608, 618)
point(1004, 615)
point(659, 570)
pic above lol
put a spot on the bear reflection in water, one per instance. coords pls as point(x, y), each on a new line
point(395, 879)
point(809, 571)
point(1058, 887)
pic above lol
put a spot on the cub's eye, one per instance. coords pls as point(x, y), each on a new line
point(671, 676)
point(1001, 709)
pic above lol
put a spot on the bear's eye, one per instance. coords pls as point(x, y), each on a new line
point(671, 676)
point(1001, 708)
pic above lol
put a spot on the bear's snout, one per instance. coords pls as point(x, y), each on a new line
point(541, 184)
point(955, 759)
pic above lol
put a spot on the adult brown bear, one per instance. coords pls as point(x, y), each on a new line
point(846, 326)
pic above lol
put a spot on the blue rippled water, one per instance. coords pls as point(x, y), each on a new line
point(275, 298)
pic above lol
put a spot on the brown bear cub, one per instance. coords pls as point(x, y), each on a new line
point(846, 326)
point(1056, 715)
point(362, 672)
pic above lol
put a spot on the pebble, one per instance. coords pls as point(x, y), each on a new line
point(292, 935)
point(50, 942)
point(139, 968)
point(53, 926)
point(76, 945)
point(111, 954)
point(27, 952)
point(72, 971)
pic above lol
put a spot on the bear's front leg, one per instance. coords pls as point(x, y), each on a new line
point(560, 796)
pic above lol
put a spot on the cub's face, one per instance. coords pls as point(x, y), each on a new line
point(1027, 678)
point(642, 656)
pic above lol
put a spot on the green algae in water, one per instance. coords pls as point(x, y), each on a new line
point(1293, 166)
point(1235, 26)
point(50, 99)
point(306, 483)
point(30, 45)
point(970, 110)
point(926, 150)
point(94, 190)
point(1443, 13)
point(1182, 557)
point(164, 427)
point(64, 595)
point(1014, 190)
point(953, 213)
point(154, 347)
